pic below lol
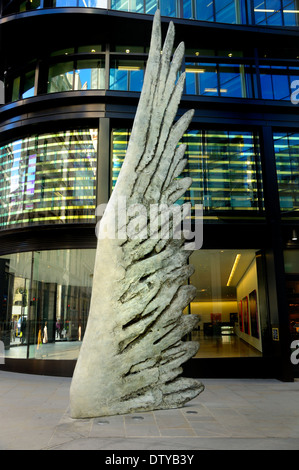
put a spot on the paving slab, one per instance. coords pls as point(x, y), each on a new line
point(231, 414)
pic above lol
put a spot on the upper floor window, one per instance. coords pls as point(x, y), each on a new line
point(286, 146)
point(264, 12)
point(211, 73)
point(49, 179)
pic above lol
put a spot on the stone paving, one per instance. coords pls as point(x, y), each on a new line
point(236, 414)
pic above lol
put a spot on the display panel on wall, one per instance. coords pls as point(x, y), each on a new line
point(224, 167)
point(48, 179)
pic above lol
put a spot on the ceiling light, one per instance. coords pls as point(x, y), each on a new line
point(294, 235)
point(128, 67)
point(265, 10)
point(190, 69)
point(237, 259)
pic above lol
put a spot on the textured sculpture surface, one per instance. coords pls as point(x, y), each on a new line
point(132, 351)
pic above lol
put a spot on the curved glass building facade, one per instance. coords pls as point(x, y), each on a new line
point(68, 97)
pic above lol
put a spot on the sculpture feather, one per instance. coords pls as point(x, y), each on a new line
point(132, 351)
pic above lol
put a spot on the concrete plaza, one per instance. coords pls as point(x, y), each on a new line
point(231, 414)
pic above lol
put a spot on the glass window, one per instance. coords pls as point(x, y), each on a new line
point(65, 3)
point(225, 170)
point(286, 146)
point(201, 79)
point(126, 75)
point(227, 303)
point(16, 89)
point(28, 89)
point(29, 5)
point(93, 3)
point(90, 74)
point(68, 51)
point(168, 8)
point(60, 77)
point(48, 178)
point(151, 6)
point(223, 165)
point(225, 11)
point(128, 5)
point(268, 12)
point(232, 80)
point(92, 48)
point(188, 10)
point(51, 308)
point(235, 80)
point(204, 10)
point(290, 12)
point(275, 82)
point(15, 271)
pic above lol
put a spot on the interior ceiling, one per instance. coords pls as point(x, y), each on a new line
point(212, 271)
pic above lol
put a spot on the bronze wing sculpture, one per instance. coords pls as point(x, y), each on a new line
point(132, 352)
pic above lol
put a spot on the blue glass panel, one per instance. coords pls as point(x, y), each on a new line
point(65, 3)
point(126, 75)
point(201, 79)
point(204, 10)
point(168, 8)
point(286, 148)
point(268, 12)
point(136, 80)
point(266, 83)
point(225, 11)
point(290, 13)
point(151, 6)
point(118, 79)
point(188, 9)
point(231, 81)
point(281, 88)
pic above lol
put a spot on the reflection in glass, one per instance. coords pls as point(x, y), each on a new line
point(126, 75)
point(60, 77)
point(222, 11)
point(90, 75)
point(128, 5)
point(168, 8)
point(28, 89)
point(229, 325)
point(93, 3)
point(226, 80)
point(223, 165)
point(276, 82)
point(45, 307)
point(276, 12)
point(48, 178)
point(201, 79)
point(232, 81)
point(286, 146)
point(14, 297)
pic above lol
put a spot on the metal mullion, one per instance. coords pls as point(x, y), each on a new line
point(107, 67)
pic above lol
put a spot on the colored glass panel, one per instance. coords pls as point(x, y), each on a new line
point(286, 146)
point(223, 165)
point(48, 179)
